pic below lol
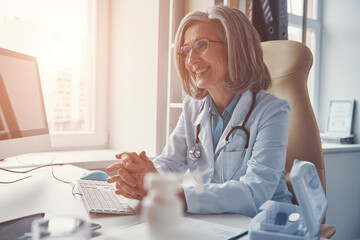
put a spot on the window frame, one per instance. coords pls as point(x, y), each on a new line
point(98, 137)
point(314, 26)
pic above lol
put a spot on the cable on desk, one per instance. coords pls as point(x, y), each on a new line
point(52, 173)
point(63, 181)
point(32, 169)
point(17, 180)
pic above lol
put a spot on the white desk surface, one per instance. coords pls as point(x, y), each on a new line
point(42, 193)
point(89, 159)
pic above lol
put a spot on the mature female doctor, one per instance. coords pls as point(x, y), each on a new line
point(231, 131)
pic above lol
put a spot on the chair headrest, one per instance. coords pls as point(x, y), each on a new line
point(285, 57)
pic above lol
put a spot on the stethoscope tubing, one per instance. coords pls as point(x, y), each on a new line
point(241, 127)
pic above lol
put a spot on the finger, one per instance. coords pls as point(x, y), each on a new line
point(129, 190)
point(135, 168)
point(143, 156)
point(113, 179)
point(118, 192)
point(120, 155)
point(147, 161)
point(115, 166)
point(142, 193)
point(117, 185)
point(131, 157)
point(126, 177)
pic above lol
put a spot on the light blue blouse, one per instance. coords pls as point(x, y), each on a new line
point(219, 123)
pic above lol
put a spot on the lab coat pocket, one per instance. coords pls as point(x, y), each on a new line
point(231, 162)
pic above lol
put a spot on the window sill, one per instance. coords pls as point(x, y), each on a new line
point(331, 148)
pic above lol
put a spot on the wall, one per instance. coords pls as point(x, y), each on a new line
point(340, 79)
point(133, 75)
point(340, 57)
point(343, 193)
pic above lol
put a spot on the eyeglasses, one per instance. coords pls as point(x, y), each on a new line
point(200, 46)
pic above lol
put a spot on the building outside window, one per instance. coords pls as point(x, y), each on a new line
point(61, 34)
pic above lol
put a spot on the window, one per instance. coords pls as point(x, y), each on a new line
point(295, 10)
point(61, 34)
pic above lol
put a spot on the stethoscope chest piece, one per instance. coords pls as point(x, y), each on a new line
point(195, 153)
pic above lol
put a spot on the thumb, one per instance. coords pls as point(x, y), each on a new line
point(143, 156)
point(147, 161)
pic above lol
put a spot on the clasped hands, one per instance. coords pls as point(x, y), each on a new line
point(131, 171)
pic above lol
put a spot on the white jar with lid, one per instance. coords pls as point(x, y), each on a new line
point(162, 208)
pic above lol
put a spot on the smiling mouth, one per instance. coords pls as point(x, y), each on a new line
point(201, 71)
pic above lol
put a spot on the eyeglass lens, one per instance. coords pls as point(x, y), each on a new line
point(199, 46)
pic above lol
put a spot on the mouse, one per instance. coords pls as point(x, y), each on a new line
point(95, 175)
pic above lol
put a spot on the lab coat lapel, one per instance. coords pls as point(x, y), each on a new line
point(238, 116)
point(205, 132)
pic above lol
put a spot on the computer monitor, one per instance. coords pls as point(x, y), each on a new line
point(23, 123)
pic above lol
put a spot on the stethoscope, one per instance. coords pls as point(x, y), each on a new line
point(195, 152)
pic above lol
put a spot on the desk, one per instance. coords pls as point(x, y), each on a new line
point(89, 159)
point(42, 193)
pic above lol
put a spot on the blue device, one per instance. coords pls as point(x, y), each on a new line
point(95, 175)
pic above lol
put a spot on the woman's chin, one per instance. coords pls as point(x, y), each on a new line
point(200, 83)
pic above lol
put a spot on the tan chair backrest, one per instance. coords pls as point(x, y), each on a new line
point(289, 63)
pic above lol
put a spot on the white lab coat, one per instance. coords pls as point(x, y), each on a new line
point(234, 182)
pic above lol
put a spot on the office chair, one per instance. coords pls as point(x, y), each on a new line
point(289, 63)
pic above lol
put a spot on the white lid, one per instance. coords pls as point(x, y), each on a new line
point(162, 182)
point(310, 194)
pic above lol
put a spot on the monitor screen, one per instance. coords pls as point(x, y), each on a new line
point(23, 123)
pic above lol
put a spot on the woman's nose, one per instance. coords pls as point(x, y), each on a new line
point(193, 57)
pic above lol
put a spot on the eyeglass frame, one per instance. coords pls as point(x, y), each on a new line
point(192, 47)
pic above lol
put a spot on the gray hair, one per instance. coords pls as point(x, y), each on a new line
point(246, 68)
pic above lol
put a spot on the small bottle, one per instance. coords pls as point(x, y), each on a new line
point(162, 208)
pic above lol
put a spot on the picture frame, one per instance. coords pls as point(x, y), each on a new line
point(340, 117)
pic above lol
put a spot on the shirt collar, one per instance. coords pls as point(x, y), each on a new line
point(228, 110)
